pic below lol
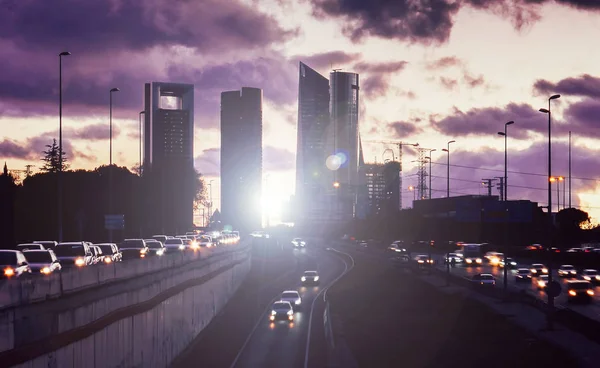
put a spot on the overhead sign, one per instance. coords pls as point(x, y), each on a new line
point(114, 222)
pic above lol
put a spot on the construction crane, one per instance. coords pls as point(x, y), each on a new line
point(400, 144)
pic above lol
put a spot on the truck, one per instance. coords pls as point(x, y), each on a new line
point(472, 254)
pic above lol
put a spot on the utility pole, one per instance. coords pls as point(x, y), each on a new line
point(488, 184)
point(569, 169)
point(501, 187)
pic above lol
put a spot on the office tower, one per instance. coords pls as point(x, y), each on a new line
point(312, 177)
point(169, 156)
point(241, 158)
point(382, 189)
point(344, 100)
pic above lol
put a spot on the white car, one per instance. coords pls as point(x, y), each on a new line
point(174, 244)
point(567, 271)
point(42, 261)
point(298, 242)
point(538, 269)
point(281, 310)
point(292, 297)
point(484, 279)
point(30, 246)
point(590, 275)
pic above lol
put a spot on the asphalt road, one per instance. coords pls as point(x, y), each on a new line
point(242, 335)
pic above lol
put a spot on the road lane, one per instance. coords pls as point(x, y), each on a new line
point(283, 344)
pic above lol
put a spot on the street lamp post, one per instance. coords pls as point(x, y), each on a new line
point(141, 112)
point(569, 169)
point(505, 135)
point(447, 150)
point(60, 150)
point(550, 222)
point(431, 150)
point(110, 168)
point(210, 203)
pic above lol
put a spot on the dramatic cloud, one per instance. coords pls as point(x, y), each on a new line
point(208, 162)
point(584, 85)
point(277, 159)
point(583, 117)
point(94, 132)
point(375, 76)
point(101, 25)
point(381, 68)
point(326, 60)
point(445, 62)
point(403, 129)
point(33, 148)
point(10, 149)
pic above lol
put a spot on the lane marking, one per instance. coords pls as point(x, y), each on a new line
point(346, 269)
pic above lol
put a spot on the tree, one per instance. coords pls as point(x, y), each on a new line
point(51, 159)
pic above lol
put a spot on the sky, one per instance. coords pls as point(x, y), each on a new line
point(431, 71)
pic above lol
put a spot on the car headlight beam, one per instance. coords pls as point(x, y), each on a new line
point(79, 262)
point(45, 270)
point(316, 278)
point(303, 278)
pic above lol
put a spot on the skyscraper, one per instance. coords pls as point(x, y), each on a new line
point(344, 104)
point(169, 155)
point(312, 179)
point(241, 158)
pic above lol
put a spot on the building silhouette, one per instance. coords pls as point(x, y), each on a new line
point(241, 158)
point(169, 154)
point(382, 196)
point(313, 180)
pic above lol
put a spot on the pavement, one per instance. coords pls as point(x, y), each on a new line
point(242, 336)
point(392, 317)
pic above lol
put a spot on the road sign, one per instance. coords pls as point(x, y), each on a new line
point(114, 222)
point(554, 289)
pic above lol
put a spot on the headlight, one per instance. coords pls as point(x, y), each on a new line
point(298, 301)
point(541, 284)
point(573, 272)
point(587, 278)
point(590, 292)
point(195, 246)
point(533, 270)
point(9, 272)
point(45, 270)
point(160, 252)
point(107, 260)
point(598, 278)
point(273, 313)
point(181, 247)
point(303, 278)
point(468, 260)
point(79, 262)
point(143, 250)
point(478, 260)
point(272, 317)
point(513, 263)
point(572, 293)
point(420, 261)
point(290, 313)
point(316, 278)
point(544, 270)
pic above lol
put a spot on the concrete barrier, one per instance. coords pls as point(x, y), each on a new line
point(148, 327)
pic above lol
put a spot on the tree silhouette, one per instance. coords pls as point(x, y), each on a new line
point(51, 159)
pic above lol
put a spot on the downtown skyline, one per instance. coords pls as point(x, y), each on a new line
point(425, 84)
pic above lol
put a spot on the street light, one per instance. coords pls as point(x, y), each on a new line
point(505, 135)
point(110, 181)
point(431, 150)
point(557, 180)
point(447, 150)
point(141, 112)
point(412, 189)
point(550, 223)
point(336, 184)
point(60, 149)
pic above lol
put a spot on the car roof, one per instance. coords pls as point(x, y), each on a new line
point(291, 291)
point(37, 250)
point(282, 303)
point(523, 269)
point(537, 264)
point(9, 251)
point(590, 270)
point(310, 271)
point(566, 265)
point(486, 274)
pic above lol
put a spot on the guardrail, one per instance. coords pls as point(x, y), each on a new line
point(328, 329)
point(15, 292)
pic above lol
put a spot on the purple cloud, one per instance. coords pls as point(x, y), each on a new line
point(448, 83)
point(381, 68)
point(208, 162)
point(403, 129)
point(326, 60)
point(11, 149)
point(94, 132)
point(277, 159)
point(444, 62)
point(376, 76)
point(585, 85)
point(103, 25)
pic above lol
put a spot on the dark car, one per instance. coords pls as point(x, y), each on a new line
point(13, 264)
point(523, 274)
point(156, 248)
point(111, 252)
point(74, 254)
point(580, 290)
point(310, 278)
point(133, 248)
point(42, 261)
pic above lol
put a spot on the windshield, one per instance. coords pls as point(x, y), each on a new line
point(487, 277)
point(174, 241)
point(289, 295)
point(524, 272)
point(310, 273)
point(8, 258)
point(38, 257)
point(106, 249)
point(567, 267)
point(579, 285)
point(154, 245)
point(591, 272)
point(69, 251)
point(132, 243)
point(281, 306)
point(29, 246)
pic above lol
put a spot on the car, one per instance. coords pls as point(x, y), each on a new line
point(494, 258)
point(30, 246)
point(13, 264)
point(298, 243)
point(155, 247)
point(523, 274)
point(398, 246)
point(402, 260)
point(590, 275)
point(484, 279)
point(423, 259)
point(579, 290)
point(511, 263)
point(161, 238)
point(453, 258)
point(173, 244)
point(133, 248)
point(542, 282)
point(567, 271)
point(538, 269)
point(74, 254)
point(310, 278)
point(206, 241)
point(282, 310)
point(48, 244)
point(574, 250)
point(98, 257)
point(291, 296)
point(42, 261)
point(111, 252)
